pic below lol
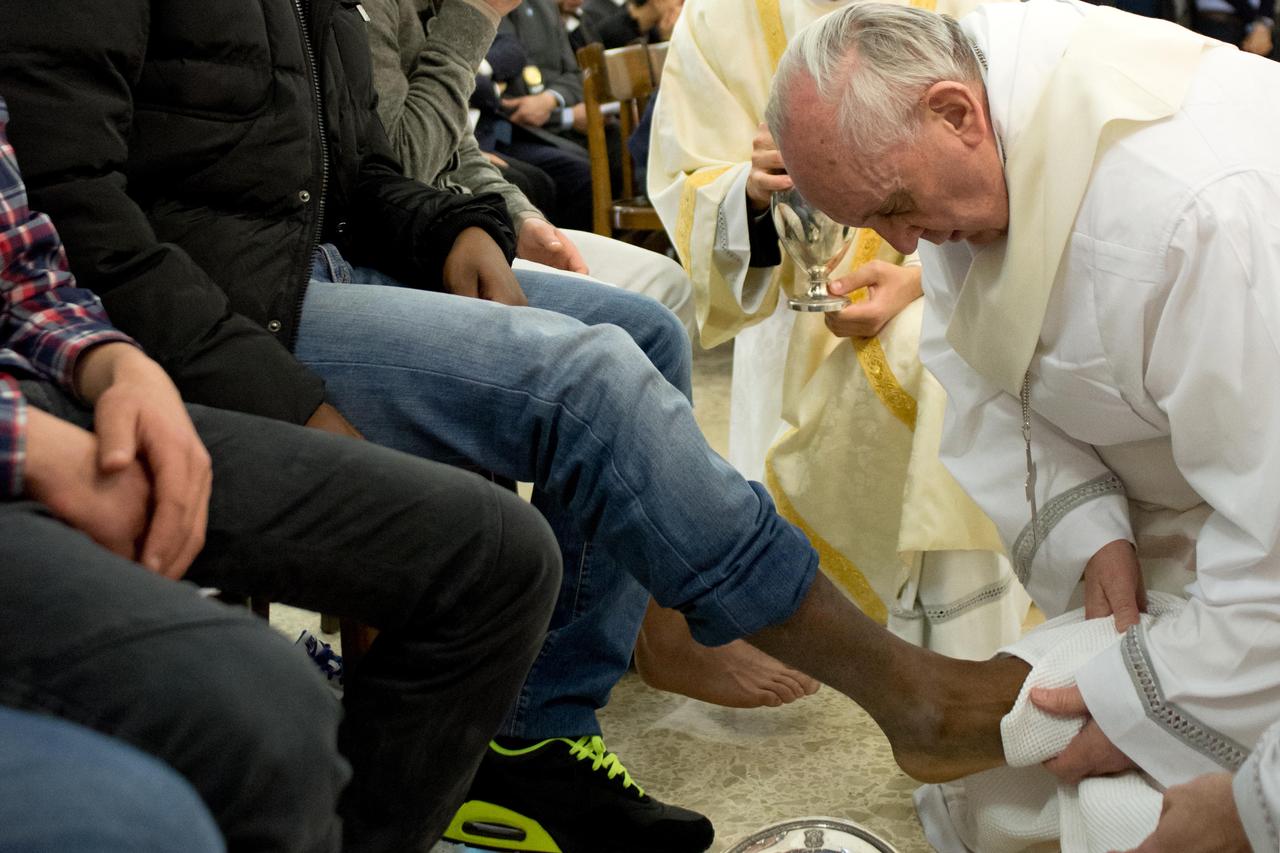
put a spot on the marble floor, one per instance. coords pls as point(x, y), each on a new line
point(746, 768)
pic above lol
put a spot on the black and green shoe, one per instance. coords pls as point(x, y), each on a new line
point(569, 795)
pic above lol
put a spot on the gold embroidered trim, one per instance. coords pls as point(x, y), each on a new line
point(880, 376)
point(688, 202)
point(875, 364)
point(870, 353)
point(834, 565)
point(775, 35)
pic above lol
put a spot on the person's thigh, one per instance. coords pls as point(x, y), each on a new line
point(654, 328)
point(209, 689)
point(440, 376)
point(536, 184)
point(578, 411)
point(640, 271)
point(340, 526)
point(67, 789)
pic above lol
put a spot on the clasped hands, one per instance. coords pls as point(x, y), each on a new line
point(139, 484)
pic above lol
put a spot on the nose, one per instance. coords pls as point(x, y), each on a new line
point(904, 238)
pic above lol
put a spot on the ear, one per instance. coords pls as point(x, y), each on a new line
point(960, 110)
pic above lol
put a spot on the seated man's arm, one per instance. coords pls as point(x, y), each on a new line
point(46, 322)
point(98, 483)
point(413, 232)
point(424, 107)
point(1201, 687)
point(424, 81)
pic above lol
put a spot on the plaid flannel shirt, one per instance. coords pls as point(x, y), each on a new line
point(46, 322)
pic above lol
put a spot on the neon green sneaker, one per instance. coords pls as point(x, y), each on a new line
point(569, 795)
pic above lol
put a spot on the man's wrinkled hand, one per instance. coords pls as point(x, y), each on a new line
point(1198, 817)
point(1091, 752)
point(531, 110)
point(1113, 585)
point(767, 174)
point(885, 288)
point(476, 267)
point(543, 243)
point(63, 473)
point(139, 416)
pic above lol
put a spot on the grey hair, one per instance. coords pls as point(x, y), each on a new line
point(870, 63)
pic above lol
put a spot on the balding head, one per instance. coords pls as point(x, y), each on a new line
point(869, 64)
point(880, 115)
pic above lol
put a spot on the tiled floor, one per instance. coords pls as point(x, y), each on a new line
point(746, 769)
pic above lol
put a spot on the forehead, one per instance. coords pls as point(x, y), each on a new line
point(824, 164)
point(847, 186)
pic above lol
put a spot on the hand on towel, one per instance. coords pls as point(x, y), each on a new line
point(1091, 752)
point(1113, 584)
point(1198, 817)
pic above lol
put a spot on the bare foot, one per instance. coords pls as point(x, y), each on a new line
point(737, 675)
point(942, 716)
point(953, 729)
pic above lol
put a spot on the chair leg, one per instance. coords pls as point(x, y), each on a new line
point(261, 606)
point(356, 640)
point(330, 624)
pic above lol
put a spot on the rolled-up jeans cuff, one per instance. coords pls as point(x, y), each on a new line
point(765, 591)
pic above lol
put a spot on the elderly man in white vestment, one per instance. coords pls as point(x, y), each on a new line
point(1099, 201)
point(856, 464)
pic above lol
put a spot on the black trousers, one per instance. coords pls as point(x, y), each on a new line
point(458, 574)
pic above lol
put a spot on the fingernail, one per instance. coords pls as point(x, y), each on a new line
point(152, 562)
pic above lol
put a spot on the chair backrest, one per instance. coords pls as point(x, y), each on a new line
point(657, 58)
point(624, 75)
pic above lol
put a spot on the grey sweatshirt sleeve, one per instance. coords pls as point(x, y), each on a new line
point(424, 82)
point(1257, 792)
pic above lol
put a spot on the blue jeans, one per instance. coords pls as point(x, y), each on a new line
point(585, 394)
point(67, 788)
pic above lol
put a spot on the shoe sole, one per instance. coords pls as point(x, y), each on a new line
point(492, 827)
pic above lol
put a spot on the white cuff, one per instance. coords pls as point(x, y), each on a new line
point(732, 245)
point(1123, 694)
point(1066, 547)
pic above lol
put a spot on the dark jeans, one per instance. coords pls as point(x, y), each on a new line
point(458, 575)
point(536, 184)
point(569, 167)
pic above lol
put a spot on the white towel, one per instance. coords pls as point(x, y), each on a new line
point(1023, 807)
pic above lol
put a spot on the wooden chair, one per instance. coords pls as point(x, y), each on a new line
point(626, 75)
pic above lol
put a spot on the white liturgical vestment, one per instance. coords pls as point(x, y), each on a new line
point(1257, 792)
point(856, 464)
point(1154, 390)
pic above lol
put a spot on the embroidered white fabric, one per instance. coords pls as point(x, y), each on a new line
point(1022, 806)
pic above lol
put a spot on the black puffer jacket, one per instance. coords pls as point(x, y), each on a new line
point(177, 146)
